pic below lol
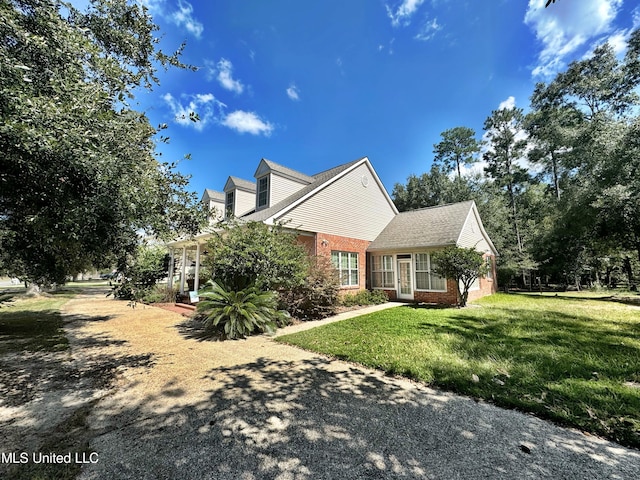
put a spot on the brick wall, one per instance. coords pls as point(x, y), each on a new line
point(325, 243)
point(308, 242)
point(449, 297)
point(487, 286)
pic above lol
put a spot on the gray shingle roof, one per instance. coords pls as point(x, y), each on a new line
point(214, 195)
point(318, 179)
point(288, 172)
point(242, 184)
point(426, 227)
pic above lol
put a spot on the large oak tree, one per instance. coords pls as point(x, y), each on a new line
point(79, 176)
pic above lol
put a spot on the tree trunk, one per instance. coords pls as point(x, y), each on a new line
point(556, 181)
point(514, 212)
point(34, 290)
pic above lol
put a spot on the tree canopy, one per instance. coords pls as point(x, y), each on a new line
point(560, 191)
point(79, 176)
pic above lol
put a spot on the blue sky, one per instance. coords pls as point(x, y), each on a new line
point(312, 85)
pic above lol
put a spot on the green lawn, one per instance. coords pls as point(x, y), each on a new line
point(572, 360)
point(32, 324)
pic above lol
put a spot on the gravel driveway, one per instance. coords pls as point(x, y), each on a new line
point(256, 409)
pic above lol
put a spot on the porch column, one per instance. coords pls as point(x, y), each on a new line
point(183, 269)
point(196, 280)
point(172, 265)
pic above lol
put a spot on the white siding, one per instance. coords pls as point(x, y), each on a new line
point(281, 188)
point(346, 207)
point(471, 234)
point(219, 213)
point(244, 202)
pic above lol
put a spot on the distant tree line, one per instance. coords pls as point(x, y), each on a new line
point(559, 193)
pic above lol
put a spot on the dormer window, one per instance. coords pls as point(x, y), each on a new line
point(263, 191)
point(230, 203)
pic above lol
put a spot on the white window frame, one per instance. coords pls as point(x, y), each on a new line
point(429, 273)
point(488, 260)
point(260, 192)
point(346, 273)
point(384, 269)
point(230, 204)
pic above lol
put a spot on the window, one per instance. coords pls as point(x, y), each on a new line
point(426, 279)
point(489, 274)
point(382, 271)
point(263, 191)
point(347, 265)
point(229, 203)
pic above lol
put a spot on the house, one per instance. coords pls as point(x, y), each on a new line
point(346, 214)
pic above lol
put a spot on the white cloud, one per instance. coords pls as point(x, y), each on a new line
point(184, 17)
point(293, 93)
point(404, 12)
point(507, 104)
point(428, 30)
point(247, 122)
point(181, 17)
point(204, 105)
point(618, 41)
point(223, 72)
point(566, 26)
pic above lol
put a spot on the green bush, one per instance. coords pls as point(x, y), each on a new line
point(138, 276)
point(252, 253)
point(317, 296)
point(364, 297)
point(241, 313)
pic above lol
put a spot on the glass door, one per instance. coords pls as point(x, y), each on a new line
point(405, 289)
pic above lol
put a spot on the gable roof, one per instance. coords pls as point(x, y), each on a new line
point(213, 195)
point(319, 179)
point(427, 227)
point(240, 184)
point(283, 171)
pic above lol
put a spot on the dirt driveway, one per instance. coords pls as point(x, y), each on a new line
point(181, 408)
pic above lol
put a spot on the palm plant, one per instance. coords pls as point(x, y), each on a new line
point(241, 313)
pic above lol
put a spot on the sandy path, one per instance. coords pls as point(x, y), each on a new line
point(183, 408)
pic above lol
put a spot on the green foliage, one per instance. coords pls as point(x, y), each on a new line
point(364, 297)
point(241, 313)
point(576, 220)
point(138, 277)
point(457, 148)
point(569, 359)
point(464, 265)
point(79, 176)
point(431, 189)
point(317, 296)
point(253, 253)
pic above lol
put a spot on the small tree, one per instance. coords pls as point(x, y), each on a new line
point(139, 274)
point(464, 265)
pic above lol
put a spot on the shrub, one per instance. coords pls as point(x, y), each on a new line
point(139, 275)
point(240, 313)
point(159, 294)
point(364, 297)
point(317, 296)
point(253, 253)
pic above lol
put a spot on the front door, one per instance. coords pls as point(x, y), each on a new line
point(405, 290)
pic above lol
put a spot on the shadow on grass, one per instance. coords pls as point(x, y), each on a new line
point(565, 367)
point(624, 299)
point(313, 419)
